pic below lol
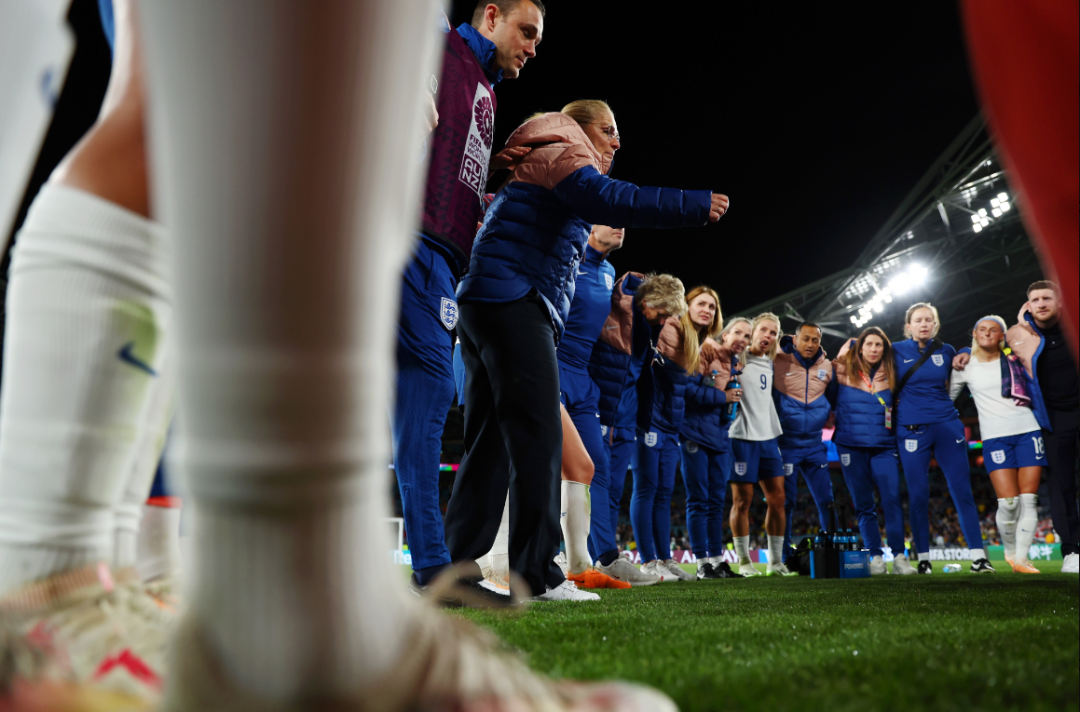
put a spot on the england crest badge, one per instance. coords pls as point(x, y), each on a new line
point(740, 468)
point(845, 459)
point(789, 469)
point(998, 456)
point(938, 359)
point(911, 445)
point(821, 374)
point(650, 439)
point(448, 313)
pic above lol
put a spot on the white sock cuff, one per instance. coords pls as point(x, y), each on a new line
point(36, 522)
point(924, 556)
point(1030, 499)
point(126, 517)
point(69, 225)
point(1008, 505)
point(977, 554)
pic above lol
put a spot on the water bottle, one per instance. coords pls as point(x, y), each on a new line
point(951, 568)
point(732, 408)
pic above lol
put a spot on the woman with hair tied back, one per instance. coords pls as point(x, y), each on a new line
point(1013, 449)
point(674, 357)
point(865, 377)
point(928, 424)
point(513, 305)
point(705, 451)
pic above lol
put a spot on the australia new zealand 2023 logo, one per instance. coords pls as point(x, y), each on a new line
point(474, 164)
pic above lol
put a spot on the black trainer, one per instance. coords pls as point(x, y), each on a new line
point(724, 571)
point(982, 566)
point(925, 567)
point(706, 571)
point(465, 592)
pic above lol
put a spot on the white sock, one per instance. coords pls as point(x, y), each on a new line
point(498, 559)
point(158, 550)
point(1026, 524)
point(87, 306)
point(742, 548)
point(1006, 523)
point(575, 517)
point(977, 554)
point(715, 560)
point(776, 550)
point(150, 443)
point(283, 252)
point(924, 556)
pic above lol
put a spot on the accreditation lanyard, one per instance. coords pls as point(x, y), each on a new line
point(888, 410)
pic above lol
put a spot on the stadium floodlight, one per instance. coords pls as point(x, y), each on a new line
point(982, 212)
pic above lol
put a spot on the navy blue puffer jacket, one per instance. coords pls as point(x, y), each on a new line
point(669, 381)
point(860, 416)
point(618, 362)
point(534, 234)
point(706, 422)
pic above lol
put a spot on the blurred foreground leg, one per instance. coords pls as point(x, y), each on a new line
point(286, 138)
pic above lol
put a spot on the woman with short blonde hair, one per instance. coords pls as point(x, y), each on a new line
point(928, 424)
point(512, 308)
point(1013, 450)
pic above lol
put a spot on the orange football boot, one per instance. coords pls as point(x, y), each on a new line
point(1024, 567)
point(591, 578)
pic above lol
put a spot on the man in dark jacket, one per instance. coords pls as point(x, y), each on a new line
point(502, 37)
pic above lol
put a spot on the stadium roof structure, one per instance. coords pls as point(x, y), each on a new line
point(956, 241)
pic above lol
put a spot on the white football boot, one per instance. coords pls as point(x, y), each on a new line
point(748, 569)
point(779, 569)
point(622, 570)
point(902, 566)
point(677, 571)
point(566, 591)
point(656, 568)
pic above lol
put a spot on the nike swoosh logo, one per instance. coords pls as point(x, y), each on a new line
point(1017, 343)
point(959, 441)
point(1039, 457)
point(908, 360)
point(613, 326)
point(127, 356)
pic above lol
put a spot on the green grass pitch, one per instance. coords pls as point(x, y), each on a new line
point(943, 642)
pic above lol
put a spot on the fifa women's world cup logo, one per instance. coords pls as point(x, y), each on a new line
point(474, 164)
point(485, 120)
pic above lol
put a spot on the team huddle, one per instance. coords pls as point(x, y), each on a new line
point(567, 375)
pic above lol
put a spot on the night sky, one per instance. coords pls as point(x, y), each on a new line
point(815, 120)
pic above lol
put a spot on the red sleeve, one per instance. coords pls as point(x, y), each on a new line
point(1024, 57)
